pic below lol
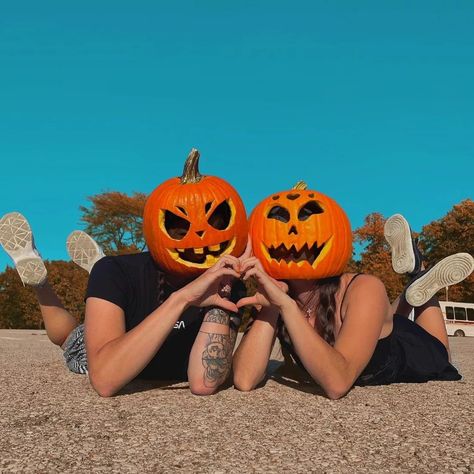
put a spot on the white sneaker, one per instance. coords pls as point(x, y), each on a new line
point(83, 249)
point(447, 272)
point(17, 240)
point(398, 235)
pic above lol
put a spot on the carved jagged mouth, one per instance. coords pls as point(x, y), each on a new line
point(203, 256)
point(305, 254)
point(199, 255)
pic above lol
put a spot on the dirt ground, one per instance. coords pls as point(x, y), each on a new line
point(52, 421)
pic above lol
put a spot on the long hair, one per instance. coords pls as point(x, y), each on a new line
point(324, 296)
point(326, 309)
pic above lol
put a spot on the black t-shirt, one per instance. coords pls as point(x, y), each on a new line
point(138, 286)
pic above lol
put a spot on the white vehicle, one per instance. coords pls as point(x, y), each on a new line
point(458, 317)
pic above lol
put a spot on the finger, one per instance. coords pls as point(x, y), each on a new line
point(248, 249)
point(260, 266)
point(230, 259)
point(227, 260)
point(225, 271)
point(254, 261)
point(282, 285)
point(248, 263)
point(252, 272)
point(226, 304)
point(247, 301)
point(258, 272)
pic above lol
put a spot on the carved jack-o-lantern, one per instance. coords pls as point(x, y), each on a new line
point(301, 234)
point(191, 221)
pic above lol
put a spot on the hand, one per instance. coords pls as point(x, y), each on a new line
point(206, 290)
point(236, 264)
point(247, 252)
point(270, 292)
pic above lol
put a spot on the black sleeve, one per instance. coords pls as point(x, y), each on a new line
point(108, 282)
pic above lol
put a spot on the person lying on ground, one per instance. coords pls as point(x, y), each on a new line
point(340, 328)
point(142, 321)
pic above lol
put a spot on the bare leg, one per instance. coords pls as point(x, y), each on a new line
point(420, 294)
point(17, 239)
point(431, 319)
point(58, 321)
point(428, 316)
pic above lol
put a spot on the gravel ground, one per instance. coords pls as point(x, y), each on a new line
point(52, 421)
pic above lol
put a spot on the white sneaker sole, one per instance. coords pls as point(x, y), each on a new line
point(17, 240)
point(398, 235)
point(447, 272)
point(83, 249)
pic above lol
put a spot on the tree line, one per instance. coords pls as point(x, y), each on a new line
point(114, 220)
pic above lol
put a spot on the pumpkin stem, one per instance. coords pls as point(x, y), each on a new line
point(191, 168)
point(300, 185)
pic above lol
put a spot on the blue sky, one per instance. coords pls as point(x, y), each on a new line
point(370, 102)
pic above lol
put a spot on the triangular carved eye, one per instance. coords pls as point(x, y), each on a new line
point(310, 208)
point(176, 226)
point(220, 218)
point(279, 213)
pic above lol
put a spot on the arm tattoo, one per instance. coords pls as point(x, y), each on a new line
point(216, 315)
point(216, 359)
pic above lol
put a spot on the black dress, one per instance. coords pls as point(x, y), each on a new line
point(407, 354)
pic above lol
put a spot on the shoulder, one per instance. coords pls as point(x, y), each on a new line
point(364, 285)
point(365, 297)
point(124, 263)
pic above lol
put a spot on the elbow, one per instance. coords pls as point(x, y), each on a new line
point(105, 392)
point(243, 384)
point(201, 390)
point(102, 386)
point(334, 394)
point(336, 391)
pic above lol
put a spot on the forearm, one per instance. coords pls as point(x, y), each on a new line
point(122, 359)
point(211, 356)
point(252, 355)
point(325, 364)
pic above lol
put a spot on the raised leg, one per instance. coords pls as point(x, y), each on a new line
point(420, 293)
point(58, 322)
point(428, 316)
point(17, 240)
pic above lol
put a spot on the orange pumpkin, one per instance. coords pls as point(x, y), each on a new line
point(192, 221)
point(301, 234)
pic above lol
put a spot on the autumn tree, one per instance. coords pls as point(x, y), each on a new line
point(115, 221)
point(452, 233)
point(19, 308)
point(16, 301)
point(375, 258)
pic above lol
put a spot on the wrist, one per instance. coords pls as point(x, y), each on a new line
point(180, 299)
point(287, 304)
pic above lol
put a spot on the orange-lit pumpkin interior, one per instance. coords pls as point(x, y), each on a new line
point(191, 221)
point(301, 234)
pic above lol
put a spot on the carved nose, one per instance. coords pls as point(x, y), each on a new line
point(293, 230)
point(200, 233)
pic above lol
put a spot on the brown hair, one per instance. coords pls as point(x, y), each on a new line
point(326, 309)
point(324, 294)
